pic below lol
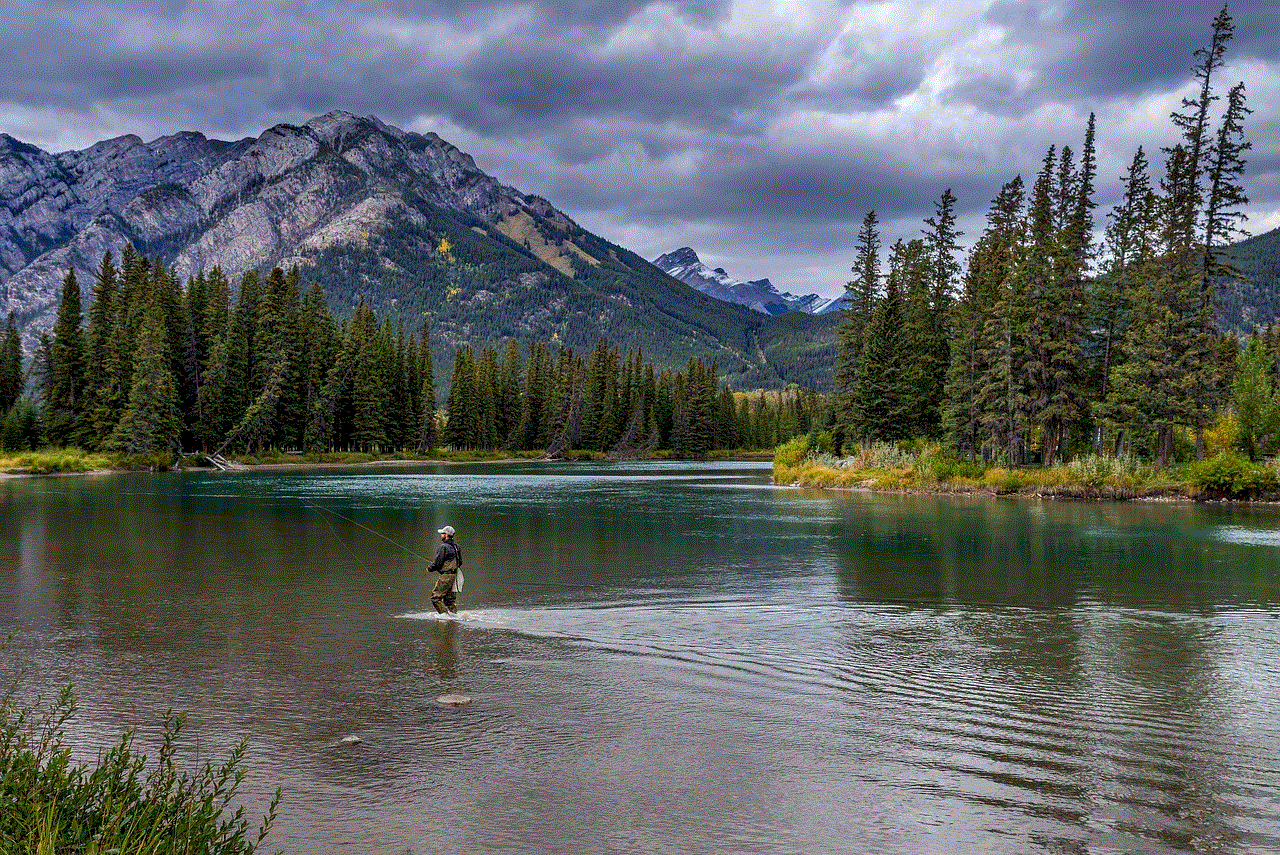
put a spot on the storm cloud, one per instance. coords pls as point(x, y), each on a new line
point(759, 133)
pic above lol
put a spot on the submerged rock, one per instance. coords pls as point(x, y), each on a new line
point(453, 700)
point(350, 740)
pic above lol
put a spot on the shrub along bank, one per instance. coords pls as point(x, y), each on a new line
point(906, 467)
point(50, 805)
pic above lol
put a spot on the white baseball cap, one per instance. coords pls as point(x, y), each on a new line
point(446, 530)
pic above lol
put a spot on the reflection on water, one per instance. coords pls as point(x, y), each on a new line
point(671, 658)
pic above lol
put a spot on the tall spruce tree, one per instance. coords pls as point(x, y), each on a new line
point(855, 316)
point(151, 422)
point(942, 248)
point(10, 365)
point(881, 409)
point(991, 264)
point(64, 384)
point(460, 420)
point(427, 434)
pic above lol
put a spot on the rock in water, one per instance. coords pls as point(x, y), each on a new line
point(453, 700)
point(351, 740)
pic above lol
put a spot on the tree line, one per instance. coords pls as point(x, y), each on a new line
point(157, 368)
point(1044, 344)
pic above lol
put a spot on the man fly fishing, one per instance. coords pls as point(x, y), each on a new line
point(448, 563)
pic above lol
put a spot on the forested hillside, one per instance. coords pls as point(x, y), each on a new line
point(1252, 299)
point(476, 286)
point(157, 369)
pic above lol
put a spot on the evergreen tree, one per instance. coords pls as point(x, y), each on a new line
point(1130, 244)
point(941, 249)
point(1223, 215)
point(917, 349)
point(880, 410)
point(369, 381)
point(318, 343)
point(855, 316)
point(484, 410)
point(151, 422)
point(427, 436)
point(991, 264)
point(242, 353)
point(64, 383)
point(538, 401)
point(10, 365)
point(510, 407)
point(460, 422)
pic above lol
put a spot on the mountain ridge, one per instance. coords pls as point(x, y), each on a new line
point(364, 209)
point(759, 295)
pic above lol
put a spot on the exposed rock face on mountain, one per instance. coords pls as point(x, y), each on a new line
point(198, 202)
point(759, 295)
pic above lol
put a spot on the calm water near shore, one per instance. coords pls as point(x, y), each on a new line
point(669, 658)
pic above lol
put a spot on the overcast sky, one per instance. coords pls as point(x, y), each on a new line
point(759, 133)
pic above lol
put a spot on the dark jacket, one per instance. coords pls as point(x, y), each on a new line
point(448, 550)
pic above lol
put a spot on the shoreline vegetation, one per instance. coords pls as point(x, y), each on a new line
point(906, 468)
point(902, 468)
point(123, 802)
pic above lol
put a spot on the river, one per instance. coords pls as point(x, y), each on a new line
point(668, 658)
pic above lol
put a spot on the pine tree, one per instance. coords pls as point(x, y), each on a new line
point(942, 250)
point(881, 411)
point(1222, 214)
point(460, 424)
point(151, 422)
point(427, 436)
point(991, 264)
point(244, 379)
point(318, 344)
point(484, 409)
point(510, 407)
point(1130, 243)
point(369, 389)
point(10, 365)
point(64, 384)
point(855, 316)
point(538, 401)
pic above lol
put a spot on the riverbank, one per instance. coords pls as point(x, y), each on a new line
point(73, 461)
point(890, 469)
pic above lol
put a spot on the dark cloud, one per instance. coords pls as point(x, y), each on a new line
point(759, 132)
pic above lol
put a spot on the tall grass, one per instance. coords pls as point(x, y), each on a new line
point(917, 467)
point(49, 461)
point(50, 804)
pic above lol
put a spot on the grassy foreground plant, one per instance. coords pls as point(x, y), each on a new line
point(50, 804)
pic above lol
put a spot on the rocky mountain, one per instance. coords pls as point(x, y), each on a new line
point(405, 222)
point(759, 295)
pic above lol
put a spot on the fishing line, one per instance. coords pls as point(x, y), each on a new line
point(342, 540)
point(366, 528)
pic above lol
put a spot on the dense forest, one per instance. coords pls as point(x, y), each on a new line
point(159, 369)
point(1045, 345)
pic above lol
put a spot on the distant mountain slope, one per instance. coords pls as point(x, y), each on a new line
point(759, 295)
point(404, 221)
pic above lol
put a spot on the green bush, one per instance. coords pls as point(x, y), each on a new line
point(48, 804)
point(943, 466)
point(791, 452)
point(1226, 475)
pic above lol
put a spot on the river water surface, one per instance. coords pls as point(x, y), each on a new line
point(668, 658)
